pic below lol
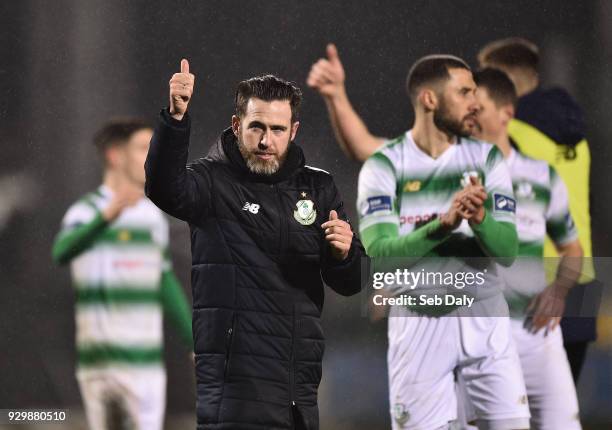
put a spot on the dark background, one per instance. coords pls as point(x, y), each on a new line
point(68, 65)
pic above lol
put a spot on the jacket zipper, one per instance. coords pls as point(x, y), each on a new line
point(281, 251)
point(229, 335)
point(292, 365)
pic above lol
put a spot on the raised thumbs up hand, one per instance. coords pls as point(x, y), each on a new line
point(327, 74)
point(181, 89)
point(339, 235)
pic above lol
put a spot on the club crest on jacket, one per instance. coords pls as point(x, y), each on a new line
point(305, 213)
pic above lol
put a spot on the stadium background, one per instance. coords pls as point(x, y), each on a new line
point(68, 65)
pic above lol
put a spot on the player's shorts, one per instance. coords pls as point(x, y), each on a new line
point(424, 352)
point(548, 378)
point(129, 397)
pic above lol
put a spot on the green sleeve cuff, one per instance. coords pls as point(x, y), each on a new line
point(497, 238)
point(383, 240)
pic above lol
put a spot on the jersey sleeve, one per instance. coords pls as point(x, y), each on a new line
point(500, 203)
point(376, 196)
point(559, 222)
point(82, 212)
point(81, 225)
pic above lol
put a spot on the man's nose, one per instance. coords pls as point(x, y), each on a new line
point(475, 107)
point(265, 139)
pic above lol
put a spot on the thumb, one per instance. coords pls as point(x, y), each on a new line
point(333, 215)
point(332, 53)
point(184, 66)
point(475, 180)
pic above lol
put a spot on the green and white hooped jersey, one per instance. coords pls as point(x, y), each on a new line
point(403, 186)
point(117, 281)
point(542, 208)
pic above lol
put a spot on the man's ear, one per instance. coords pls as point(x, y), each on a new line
point(294, 129)
point(236, 125)
point(429, 99)
point(507, 112)
point(111, 156)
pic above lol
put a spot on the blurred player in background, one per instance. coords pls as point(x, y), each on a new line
point(419, 196)
point(549, 126)
point(542, 208)
point(116, 242)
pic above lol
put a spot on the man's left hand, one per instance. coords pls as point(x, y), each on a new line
point(339, 235)
point(546, 309)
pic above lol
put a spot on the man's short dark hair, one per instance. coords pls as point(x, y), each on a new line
point(268, 88)
point(511, 52)
point(430, 70)
point(118, 131)
point(498, 85)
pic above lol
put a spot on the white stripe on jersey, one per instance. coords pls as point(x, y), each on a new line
point(119, 325)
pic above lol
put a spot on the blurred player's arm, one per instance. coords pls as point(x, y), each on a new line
point(547, 307)
point(71, 241)
point(561, 228)
point(327, 77)
point(179, 190)
point(84, 223)
point(570, 265)
point(497, 238)
point(176, 307)
point(379, 219)
point(494, 224)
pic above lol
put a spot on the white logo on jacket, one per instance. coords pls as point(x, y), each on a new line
point(251, 207)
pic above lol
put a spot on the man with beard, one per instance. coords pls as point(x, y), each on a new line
point(266, 231)
point(430, 193)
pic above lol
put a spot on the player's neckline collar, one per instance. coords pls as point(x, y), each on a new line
point(425, 156)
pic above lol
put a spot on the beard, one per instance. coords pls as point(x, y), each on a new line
point(477, 131)
point(257, 165)
point(451, 126)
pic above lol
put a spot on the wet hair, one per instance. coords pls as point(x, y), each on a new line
point(498, 85)
point(431, 69)
point(510, 52)
point(118, 131)
point(268, 88)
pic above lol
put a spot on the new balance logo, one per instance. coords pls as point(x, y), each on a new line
point(251, 207)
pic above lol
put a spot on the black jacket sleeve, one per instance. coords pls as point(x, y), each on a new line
point(344, 277)
point(174, 187)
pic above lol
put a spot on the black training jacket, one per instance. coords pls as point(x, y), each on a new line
point(258, 266)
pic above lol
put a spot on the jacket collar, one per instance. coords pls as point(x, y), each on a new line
point(226, 151)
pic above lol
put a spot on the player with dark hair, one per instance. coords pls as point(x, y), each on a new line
point(116, 242)
point(536, 308)
point(436, 195)
point(549, 126)
point(267, 231)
